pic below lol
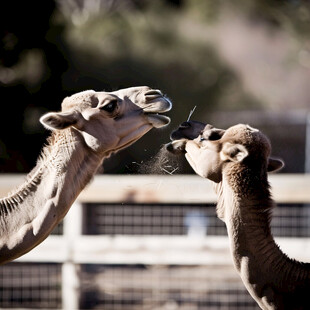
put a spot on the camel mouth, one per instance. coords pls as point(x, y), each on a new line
point(177, 135)
point(188, 130)
point(154, 112)
point(158, 120)
point(157, 104)
point(176, 147)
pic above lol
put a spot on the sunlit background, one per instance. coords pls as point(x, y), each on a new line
point(241, 61)
point(236, 61)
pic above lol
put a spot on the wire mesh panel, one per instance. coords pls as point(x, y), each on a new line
point(163, 287)
point(129, 287)
point(58, 230)
point(150, 219)
point(30, 286)
point(289, 220)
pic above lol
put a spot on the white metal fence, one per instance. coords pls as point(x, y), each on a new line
point(187, 260)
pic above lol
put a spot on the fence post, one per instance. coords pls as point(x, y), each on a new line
point(307, 153)
point(307, 166)
point(72, 229)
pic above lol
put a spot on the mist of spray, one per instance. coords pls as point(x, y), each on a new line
point(163, 162)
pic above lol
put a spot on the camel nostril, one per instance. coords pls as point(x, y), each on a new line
point(185, 125)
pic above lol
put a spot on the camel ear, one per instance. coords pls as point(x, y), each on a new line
point(274, 164)
point(233, 152)
point(60, 120)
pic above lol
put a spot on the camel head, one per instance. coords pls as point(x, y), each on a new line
point(210, 151)
point(110, 121)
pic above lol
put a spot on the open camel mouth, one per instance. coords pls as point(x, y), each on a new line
point(189, 130)
point(158, 120)
point(157, 104)
point(176, 147)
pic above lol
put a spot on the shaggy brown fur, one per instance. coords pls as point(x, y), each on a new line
point(238, 160)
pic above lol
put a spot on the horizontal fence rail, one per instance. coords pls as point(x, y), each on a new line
point(288, 188)
point(72, 249)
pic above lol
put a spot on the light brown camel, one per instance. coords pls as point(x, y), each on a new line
point(91, 126)
point(237, 160)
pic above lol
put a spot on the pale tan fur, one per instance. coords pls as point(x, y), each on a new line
point(91, 126)
point(237, 161)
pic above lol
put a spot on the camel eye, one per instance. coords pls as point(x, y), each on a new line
point(110, 107)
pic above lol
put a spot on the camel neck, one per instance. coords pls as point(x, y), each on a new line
point(29, 214)
point(255, 253)
point(70, 165)
point(64, 160)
